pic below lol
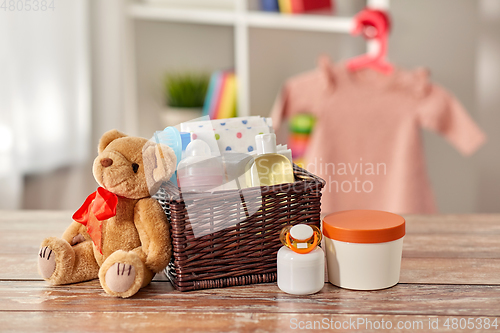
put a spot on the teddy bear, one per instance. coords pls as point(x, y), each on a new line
point(120, 234)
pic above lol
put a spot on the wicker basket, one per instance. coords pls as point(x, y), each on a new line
point(237, 249)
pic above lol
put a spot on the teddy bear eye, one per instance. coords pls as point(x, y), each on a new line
point(135, 167)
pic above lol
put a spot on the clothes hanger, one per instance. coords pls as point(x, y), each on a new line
point(372, 25)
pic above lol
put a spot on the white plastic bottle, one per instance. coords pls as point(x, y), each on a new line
point(199, 171)
point(301, 263)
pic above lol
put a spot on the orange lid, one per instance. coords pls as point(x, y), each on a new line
point(364, 226)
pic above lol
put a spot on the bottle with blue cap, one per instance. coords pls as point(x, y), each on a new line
point(185, 139)
point(171, 137)
point(176, 140)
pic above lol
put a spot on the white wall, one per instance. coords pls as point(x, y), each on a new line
point(442, 35)
point(459, 41)
point(448, 36)
point(488, 105)
point(162, 47)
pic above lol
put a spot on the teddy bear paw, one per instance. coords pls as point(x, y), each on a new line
point(122, 274)
point(120, 277)
point(46, 262)
point(56, 262)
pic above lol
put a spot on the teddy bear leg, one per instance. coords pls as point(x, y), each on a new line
point(123, 273)
point(60, 263)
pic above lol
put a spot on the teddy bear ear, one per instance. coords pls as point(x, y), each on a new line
point(107, 138)
point(166, 161)
point(159, 164)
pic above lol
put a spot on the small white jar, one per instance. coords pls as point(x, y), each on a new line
point(363, 248)
point(301, 263)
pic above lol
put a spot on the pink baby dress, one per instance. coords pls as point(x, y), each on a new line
point(367, 142)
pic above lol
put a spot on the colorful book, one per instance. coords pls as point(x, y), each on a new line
point(221, 98)
point(269, 5)
point(302, 6)
point(212, 86)
point(285, 6)
point(227, 108)
point(217, 95)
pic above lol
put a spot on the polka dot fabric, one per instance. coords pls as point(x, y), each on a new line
point(240, 140)
point(233, 134)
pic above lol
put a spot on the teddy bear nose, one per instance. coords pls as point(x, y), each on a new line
point(106, 162)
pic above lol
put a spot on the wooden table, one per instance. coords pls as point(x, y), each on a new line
point(450, 273)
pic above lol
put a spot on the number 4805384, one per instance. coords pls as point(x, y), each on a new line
point(471, 323)
point(27, 5)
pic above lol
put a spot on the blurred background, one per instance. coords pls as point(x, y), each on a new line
point(73, 69)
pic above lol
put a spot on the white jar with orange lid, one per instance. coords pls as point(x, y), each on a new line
point(363, 248)
point(301, 263)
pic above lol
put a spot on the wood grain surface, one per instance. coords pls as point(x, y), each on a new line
point(450, 271)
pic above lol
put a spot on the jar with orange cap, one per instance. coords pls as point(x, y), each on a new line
point(363, 248)
point(301, 262)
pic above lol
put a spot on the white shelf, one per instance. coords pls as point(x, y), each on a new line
point(252, 19)
point(300, 22)
point(200, 16)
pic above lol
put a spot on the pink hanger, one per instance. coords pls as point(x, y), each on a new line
point(372, 25)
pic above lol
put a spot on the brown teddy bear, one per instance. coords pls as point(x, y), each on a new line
point(120, 234)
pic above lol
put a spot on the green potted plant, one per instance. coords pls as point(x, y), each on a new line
point(185, 94)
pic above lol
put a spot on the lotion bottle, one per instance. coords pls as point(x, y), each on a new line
point(268, 167)
point(301, 263)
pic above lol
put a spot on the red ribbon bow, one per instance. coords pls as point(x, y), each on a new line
point(98, 207)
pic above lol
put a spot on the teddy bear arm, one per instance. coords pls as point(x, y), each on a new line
point(75, 233)
point(153, 228)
